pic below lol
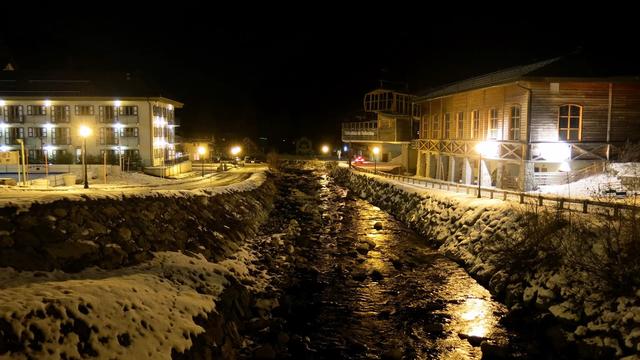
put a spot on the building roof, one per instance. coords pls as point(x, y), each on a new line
point(62, 84)
point(491, 79)
point(578, 65)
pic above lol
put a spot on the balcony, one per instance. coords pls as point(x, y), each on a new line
point(62, 140)
point(122, 119)
point(386, 129)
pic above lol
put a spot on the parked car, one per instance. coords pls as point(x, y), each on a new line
point(359, 160)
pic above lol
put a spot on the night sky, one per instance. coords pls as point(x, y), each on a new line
point(286, 73)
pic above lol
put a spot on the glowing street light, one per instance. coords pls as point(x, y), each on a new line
point(325, 149)
point(84, 133)
point(236, 150)
point(376, 151)
point(201, 151)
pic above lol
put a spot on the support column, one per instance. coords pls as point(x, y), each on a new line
point(420, 167)
point(499, 174)
point(527, 182)
point(467, 171)
point(405, 156)
point(427, 168)
point(486, 174)
point(452, 169)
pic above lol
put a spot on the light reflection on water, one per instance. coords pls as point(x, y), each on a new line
point(431, 305)
point(468, 309)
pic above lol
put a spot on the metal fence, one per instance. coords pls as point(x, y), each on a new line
point(594, 206)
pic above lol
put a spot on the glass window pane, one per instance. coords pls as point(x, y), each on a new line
point(564, 110)
point(575, 110)
point(575, 122)
point(563, 123)
point(573, 135)
point(562, 135)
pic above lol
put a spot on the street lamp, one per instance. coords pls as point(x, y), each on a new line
point(376, 150)
point(325, 149)
point(235, 151)
point(84, 133)
point(201, 151)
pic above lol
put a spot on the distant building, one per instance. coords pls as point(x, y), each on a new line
point(190, 147)
point(390, 121)
point(533, 125)
point(47, 113)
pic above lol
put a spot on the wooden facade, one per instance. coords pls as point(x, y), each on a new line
point(530, 123)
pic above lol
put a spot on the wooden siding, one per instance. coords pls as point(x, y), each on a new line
point(594, 99)
point(625, 112)
point(483, 100)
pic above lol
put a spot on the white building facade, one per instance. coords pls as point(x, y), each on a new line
point(141, 129)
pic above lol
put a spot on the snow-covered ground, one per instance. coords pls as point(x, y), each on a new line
point(589, 187)
point(130, 184)
point(150, 310)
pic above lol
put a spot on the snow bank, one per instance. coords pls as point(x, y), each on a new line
point(475, 231)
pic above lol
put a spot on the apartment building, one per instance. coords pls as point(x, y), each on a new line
point(127, 119)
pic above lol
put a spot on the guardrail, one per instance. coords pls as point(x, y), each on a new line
point(582, 205)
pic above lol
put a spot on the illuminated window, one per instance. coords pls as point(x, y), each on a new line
point(569, 122)
point(84, 110)
point(435, 127)
point(447, 126)
point(493, 124)
point(475, 123)
point(460, 124)
point(60, 113)
point(128, 110)
point(514, 123)
point(36, 110)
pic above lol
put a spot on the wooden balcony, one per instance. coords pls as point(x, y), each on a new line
point(518, 151)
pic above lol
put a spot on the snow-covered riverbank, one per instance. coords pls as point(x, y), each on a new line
point(137, 277)
point(481, 233)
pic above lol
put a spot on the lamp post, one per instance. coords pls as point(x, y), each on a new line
point(479, 174)
point(325, 149)
point(84, 133)
point(376, 150)
point(201, 151)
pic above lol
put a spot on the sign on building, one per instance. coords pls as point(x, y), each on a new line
point(9, 158)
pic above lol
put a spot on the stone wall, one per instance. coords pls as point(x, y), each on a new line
point(576, 316)
point(112, 232)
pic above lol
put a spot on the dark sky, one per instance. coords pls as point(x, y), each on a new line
point(286, 73)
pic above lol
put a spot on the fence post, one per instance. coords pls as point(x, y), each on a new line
point(504, 196)
point(584, 206)
point(539, 199)
point(560, 203)
point(491, 194)
point(521, 198)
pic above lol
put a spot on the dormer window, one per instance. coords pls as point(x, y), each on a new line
point(570, 122)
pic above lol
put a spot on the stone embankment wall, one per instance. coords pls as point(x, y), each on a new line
point(110, 233)
point(574, 316)
point(171, 277)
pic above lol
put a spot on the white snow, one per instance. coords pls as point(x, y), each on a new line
point(154, 303)
point(231, 181)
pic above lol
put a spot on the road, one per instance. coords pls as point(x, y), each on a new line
point(25, 196)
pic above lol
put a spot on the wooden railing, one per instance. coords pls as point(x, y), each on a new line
point(574, 204)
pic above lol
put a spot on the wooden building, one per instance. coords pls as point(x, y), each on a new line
point(531, 125)
point(391, 124)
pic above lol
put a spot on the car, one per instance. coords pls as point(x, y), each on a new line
point(358, 160)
